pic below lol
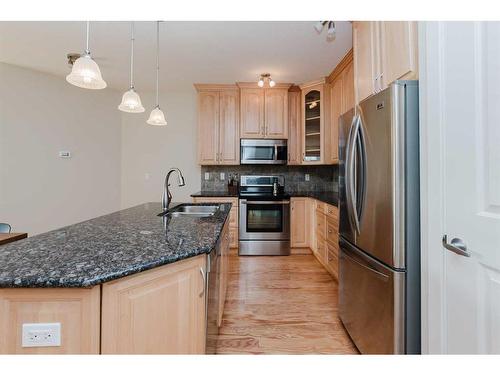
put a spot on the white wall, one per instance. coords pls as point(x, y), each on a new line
point(39, 116)
point(149, 151)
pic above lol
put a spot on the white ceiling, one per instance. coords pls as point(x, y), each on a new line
point(191, 52)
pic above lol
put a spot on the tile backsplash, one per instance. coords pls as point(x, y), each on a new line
point(321, 177)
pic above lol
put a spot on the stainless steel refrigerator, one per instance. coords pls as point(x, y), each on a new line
point(379, 261)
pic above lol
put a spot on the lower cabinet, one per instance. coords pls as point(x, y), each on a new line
point(160, 311)
point(315, 224)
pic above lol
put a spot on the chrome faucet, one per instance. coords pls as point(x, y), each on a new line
point(167, 196)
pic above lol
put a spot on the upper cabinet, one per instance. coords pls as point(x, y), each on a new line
point(314, 102)
point(218, 124)
point(294, 126)
point(341, 100)
point(384, 51)
point(263, 111)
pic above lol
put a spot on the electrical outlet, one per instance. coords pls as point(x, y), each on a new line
point(307, 177)
point(207, 176)
point(65, 154)
point(41, 334)
point(222, 176)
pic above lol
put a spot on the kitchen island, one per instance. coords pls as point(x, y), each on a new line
point(127, 282)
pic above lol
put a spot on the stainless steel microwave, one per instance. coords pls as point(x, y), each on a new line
point(263, 151)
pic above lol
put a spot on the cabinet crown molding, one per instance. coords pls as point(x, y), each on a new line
point(312, 83)
point(344, 63)
point(214, 86)
point(253, 85)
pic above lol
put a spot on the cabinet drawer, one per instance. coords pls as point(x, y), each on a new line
point(233, 217)
point(233, 238)
point(321, 207)
point(332, 231)
point(320, 225)
point(332, 211)
point(321, 249)
point(332, 260)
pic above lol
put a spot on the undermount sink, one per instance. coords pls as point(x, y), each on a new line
point(192, 210)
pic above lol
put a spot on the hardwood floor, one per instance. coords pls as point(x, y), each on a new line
point(281, 305)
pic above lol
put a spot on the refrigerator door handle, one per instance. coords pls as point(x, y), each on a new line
point(348, 161)
point(367, 267)
point(361, 182)
point(352, 173)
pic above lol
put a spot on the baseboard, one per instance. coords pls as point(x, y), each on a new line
point(300, 251)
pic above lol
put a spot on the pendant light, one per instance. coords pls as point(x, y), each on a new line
point(157, 117)
point(85, 72)
point(131, 101)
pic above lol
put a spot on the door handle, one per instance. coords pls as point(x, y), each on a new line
point(457, 245)
point(204, 281)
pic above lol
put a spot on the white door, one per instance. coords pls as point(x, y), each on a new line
point(460, 185)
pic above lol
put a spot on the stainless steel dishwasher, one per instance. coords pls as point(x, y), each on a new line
point(212, 298)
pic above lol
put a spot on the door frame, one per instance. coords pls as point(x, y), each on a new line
point(432, 185)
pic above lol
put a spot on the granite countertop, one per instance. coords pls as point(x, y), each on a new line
point(329, 197)
point(108, 247)
point(207, 194)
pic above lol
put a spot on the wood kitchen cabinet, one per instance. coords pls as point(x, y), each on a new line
point(294, 127)
point(160, 311)
point(384, 51)
point(76, 309)
point(341, 100)
point(263, 111)
point(299, 223)
point(315, 107)
point(218, 124)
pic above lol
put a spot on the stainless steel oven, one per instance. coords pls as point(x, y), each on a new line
point(264, 217)
point(263, 151)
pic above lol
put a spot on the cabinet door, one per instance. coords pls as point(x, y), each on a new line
point(294, 128)
point(399, 50)
point(313, 129)
point(208, 127)
point(365, 68)
point(336, 98)
point(160, 311)
point(252, 113)
point(229, 138)
point(299, 227)
point(347, 88)
point(276, 113)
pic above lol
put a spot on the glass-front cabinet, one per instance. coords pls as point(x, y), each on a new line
point(313, 103)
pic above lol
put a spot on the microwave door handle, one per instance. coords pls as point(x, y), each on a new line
point(275, 152)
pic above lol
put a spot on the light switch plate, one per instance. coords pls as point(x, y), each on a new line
point(307, 177)
point(207, 176)
point(41, 334)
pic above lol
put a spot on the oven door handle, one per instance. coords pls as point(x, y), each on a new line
point(264, 202)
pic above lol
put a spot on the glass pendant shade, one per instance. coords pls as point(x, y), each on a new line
point(131, 102)
point(86, 74)
point(157, 117)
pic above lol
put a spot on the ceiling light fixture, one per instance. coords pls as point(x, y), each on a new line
point(85, 72)
point(266, 77)
point(330, 34)
point(131, 101)
point(157, 117)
